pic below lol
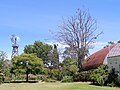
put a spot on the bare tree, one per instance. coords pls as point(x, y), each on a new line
point(79, 33)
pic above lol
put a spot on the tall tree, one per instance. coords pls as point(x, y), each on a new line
point(26, 63)
point(3, 59)
point(55, 55)
point(40, 49)
point(79, 33)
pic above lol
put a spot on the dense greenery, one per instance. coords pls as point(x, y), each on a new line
point(40, 49)
point(100, 76)
point(69, 66)
point(103, 76)
point(4, 66)
point(48, 68)
point(55, 57)
point(26, 64)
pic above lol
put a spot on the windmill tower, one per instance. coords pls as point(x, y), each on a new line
point(14, 40)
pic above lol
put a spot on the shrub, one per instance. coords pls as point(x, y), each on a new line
point(99, 76)
point(82, 76)
point(100, 80)
point(43, 77)
point(45, 71)
point(76, 77)
point(1, 80)
point(50, 80)
point(8, 79)
point(104, 77)
point(56, 74)
point(32, 77)
point(20, 77)
point(69, 79)
point(111, 84)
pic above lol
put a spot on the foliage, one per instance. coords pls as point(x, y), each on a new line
point(55, 58)
point(4, 63)
point(82, 76)
point(103, 76)
point(4, 66)
point(111, 84)
point(50, 80)
point(19, 77)
point(54, 73)
point(69, 67)
point(43, 77)
point(40, 49)
point(45, 71)
point(26, 63)
point(100, 75)
point(69, 79)
point(113, 79)
point(1, 78)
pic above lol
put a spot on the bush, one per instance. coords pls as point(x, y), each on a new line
point(76, 77)
point(8, 79)
point(104, 77)
point(69, 79)
point(20, 77)
point(56, 74)
point(111, 84)
point(43, 78)
point(83, 76)
point(100, 75)
point(32, 77)
point(45, 71)
point(50, 80)
point(1, 80)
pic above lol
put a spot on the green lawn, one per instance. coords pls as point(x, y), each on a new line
point(53, 86)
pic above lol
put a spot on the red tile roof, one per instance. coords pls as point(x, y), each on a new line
point(97, 58)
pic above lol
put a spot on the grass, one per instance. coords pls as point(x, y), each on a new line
point(53, 86)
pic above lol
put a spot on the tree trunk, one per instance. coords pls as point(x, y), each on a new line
point(27, 75)
point(80, 65)
point(80, 60)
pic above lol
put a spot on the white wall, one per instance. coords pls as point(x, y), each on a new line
point(114, 62)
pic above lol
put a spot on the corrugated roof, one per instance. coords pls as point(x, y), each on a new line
point(97, 58)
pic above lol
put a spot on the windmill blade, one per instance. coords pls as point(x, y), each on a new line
point(14, 38)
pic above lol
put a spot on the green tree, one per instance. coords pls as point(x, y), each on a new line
point(26, 63)
point(54, 57)
point(40, 49)
point(4, 62)
point(100, 75)
point(3, 57)
point(4, 65)
point(69, 67)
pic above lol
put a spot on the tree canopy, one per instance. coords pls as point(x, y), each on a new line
point(26, 63)
point(40, 49)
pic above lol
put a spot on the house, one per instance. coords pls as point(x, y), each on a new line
point(114, 63)
point(109, 55)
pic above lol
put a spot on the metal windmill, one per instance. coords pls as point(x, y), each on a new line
point(14, 40)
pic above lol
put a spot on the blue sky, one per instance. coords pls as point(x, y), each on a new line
point(33, 19)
